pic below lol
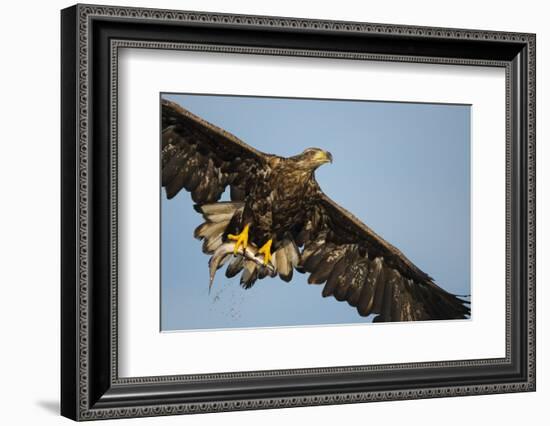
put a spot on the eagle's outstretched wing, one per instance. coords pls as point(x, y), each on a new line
point(360, 267)
point(202, 158)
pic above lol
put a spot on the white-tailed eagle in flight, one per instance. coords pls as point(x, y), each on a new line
point(279, 220)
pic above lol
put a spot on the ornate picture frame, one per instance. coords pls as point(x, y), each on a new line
point(91, 39)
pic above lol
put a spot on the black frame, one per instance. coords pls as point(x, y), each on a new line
point(90, 386)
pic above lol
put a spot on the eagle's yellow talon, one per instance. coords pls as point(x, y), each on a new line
point(242, 239)
point(266, 251)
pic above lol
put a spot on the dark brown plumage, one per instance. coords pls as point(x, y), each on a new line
point(281, 201)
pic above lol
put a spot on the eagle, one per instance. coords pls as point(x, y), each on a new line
point(279, 221)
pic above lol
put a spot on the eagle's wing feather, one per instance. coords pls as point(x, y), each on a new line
point(360, 267)
point(204, 159)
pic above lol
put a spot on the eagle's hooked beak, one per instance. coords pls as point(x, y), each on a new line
point(323, 157)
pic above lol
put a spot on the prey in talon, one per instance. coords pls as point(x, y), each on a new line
point(229, 250)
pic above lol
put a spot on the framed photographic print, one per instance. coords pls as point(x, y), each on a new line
point(263, 212)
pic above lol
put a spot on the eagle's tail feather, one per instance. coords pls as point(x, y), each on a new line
point(217, 217)
point(286, 258)
point(234, 267)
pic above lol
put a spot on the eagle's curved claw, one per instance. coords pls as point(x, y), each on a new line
point(266, 251)
point(241, 239)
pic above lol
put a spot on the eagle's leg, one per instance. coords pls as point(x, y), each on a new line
point(241, 239)
point(266, 251)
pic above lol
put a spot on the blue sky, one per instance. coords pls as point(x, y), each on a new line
point(402, 168)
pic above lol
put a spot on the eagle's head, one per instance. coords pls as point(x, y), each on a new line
point(312, 158)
